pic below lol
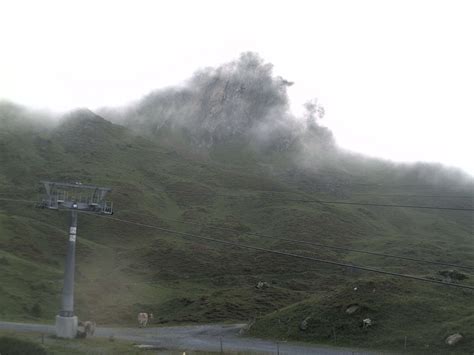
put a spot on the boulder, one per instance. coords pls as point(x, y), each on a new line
point(261, 285)
point(352, 308)
point(246, 327)
point(453, 275)
point(304, 323)
point(454, 339)
point(367, 322)
point(148, 347)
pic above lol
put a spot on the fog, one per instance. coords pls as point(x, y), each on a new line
point(13, 115)
point(241, 98)
point(241, 102)
point(384, 71)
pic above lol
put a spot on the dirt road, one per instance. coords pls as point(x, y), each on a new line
point(198, 337)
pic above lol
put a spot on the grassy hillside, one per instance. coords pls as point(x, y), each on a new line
point(404, 315)
point(123, 268)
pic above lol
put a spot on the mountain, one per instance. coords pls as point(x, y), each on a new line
point(204, 154)
point(238, 101)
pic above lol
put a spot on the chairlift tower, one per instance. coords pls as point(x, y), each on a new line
point(76, 198)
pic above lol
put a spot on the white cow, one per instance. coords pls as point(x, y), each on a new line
point(89, 327)
point(86, 328)
point(144, 318)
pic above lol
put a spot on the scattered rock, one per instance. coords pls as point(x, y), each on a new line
point(454, 339)
point(246, 327)
point(304, 323)
point(261, 285)
point(352, 308)
point(367, 322)
point(149, 347)
point(453, 275)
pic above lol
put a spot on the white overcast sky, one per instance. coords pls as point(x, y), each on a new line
point(396, 77)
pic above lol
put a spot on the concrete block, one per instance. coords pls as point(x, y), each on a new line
point(66, 327)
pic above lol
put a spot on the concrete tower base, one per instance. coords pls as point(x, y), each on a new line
point(66, 327)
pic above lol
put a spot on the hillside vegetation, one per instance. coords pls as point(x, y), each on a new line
point(224, 151)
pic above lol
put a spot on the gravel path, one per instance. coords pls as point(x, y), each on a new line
point(198, 337)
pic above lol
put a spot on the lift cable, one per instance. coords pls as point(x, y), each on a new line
point(310, 243)
point(276, 252)
point(313, 192)
point(299, 241)
point(341, 203)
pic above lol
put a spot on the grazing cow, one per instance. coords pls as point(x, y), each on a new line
point(85, 329)
point(142, 319)
point(89, 327)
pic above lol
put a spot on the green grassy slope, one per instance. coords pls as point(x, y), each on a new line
point(400, 311)
point(123, 268)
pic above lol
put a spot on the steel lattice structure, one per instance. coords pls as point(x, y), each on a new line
point(76, 196)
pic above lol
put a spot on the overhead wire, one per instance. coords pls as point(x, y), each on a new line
point(384, 205)
point(370, 204)
point(411, 195)
point(306, 242)
point(281, 253)
point(245, 246)
point(17, 200)
point(290, 240)
point(313, 192)
point(326, 246)
point(327, 175)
